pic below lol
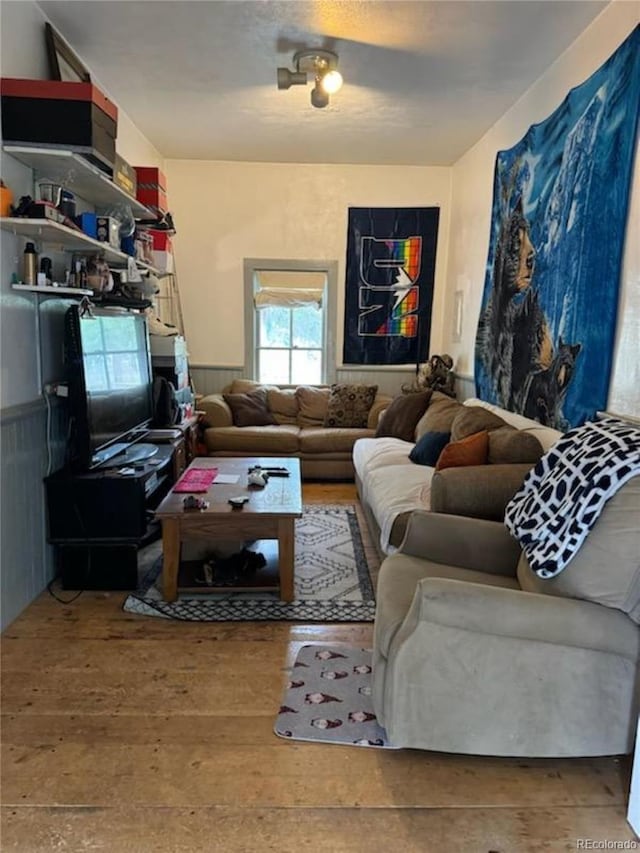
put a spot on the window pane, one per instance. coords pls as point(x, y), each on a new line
point(306, 367)
point(307, 326)
point(273, 366)
point(274, 327)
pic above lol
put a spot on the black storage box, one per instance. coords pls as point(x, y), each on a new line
point(60, 114)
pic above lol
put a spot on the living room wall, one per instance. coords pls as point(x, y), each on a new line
point(26, 561)
point(472, 197)
point(228, 211)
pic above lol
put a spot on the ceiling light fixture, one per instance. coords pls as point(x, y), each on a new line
point(323, 65)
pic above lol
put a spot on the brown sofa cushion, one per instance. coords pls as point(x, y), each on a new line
point(471, 450)
point(283, 405)
point(474, 419)
point(349, 405)
point(249, 409)
point(312, 403)
point(439, 415)
point(510, 445)
point(404, 412)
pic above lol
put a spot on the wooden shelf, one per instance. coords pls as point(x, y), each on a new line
point(74, 173)
point(53, 291)
point(68, 239)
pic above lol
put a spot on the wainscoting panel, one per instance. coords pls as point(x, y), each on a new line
point(26, 560)
point(388, 381)
point(465, 387)
point(208, 379)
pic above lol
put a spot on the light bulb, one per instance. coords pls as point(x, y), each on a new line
point(331, 82)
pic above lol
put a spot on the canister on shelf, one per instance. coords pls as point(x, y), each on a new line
point(30, 264)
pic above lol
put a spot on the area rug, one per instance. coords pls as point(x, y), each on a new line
point(331, 580)
point(328, 698)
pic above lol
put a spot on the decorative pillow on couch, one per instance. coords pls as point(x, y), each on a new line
point(472, 450)
point(439, 415)
point(250, 409)
point(349, 405)
point(404, 412)
point(429, 447)
point(472, 419)
point(510, 445)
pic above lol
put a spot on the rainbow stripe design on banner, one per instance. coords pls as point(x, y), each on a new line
point(402, 321)
point(406, 253)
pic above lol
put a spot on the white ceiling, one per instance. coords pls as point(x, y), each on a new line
point(423, 80)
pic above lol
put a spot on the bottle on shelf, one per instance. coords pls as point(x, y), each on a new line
point(30, 265)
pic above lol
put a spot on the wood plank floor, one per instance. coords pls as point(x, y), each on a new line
point(124, 733)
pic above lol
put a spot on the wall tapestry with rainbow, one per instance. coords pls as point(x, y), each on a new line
point(391, 256)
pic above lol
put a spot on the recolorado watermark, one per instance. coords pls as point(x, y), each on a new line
point(593, 844)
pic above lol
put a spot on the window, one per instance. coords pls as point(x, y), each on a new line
point(288, 314)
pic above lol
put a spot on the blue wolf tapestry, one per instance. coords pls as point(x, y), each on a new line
point(391, 256)
point(544, 346)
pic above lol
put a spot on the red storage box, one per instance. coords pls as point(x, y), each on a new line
point(161, 240)
point(152, 188)
point(60, 114)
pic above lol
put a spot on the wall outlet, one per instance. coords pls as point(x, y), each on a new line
point(55, 389)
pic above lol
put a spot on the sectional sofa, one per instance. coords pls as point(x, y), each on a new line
point(294, 425)
point(391, 486)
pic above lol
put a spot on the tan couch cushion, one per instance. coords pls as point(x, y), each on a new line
point(606, 569)
point(507, 444)
point(312, 404)
point(262, 441)
point(471, 419)
point(328, 439)
point(439, 415)
point(283, 405)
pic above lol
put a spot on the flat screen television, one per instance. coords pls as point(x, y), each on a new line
point(110, 385)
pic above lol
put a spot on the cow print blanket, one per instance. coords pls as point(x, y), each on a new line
point(563, 496)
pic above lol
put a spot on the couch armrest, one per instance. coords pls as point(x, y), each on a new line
point(522, 615)
point(479, 491)
point(471, 543)
point(216, 412)
point(381, 403)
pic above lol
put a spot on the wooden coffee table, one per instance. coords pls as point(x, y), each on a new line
point(270, 513)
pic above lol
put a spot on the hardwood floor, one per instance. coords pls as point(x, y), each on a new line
point(124, 733)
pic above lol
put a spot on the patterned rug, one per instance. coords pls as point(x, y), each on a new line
point(328, 698)
point(331, 580)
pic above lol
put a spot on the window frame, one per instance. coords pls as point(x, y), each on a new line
point(329, 307)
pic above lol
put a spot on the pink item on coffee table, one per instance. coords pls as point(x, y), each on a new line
point(196, 480)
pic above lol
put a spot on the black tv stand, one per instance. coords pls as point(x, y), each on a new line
point(98, 519)
point(139, 452)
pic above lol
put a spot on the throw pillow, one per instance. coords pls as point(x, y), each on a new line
point(472, 419)
point(312, 405)
point(283, 405)
point(429, 447)
point(249, 409)
point(508, 445)
point(404, 412)
point(349, 405)
point(471, 450)
point(439, 414)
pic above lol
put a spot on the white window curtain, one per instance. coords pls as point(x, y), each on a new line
point(288, 297)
